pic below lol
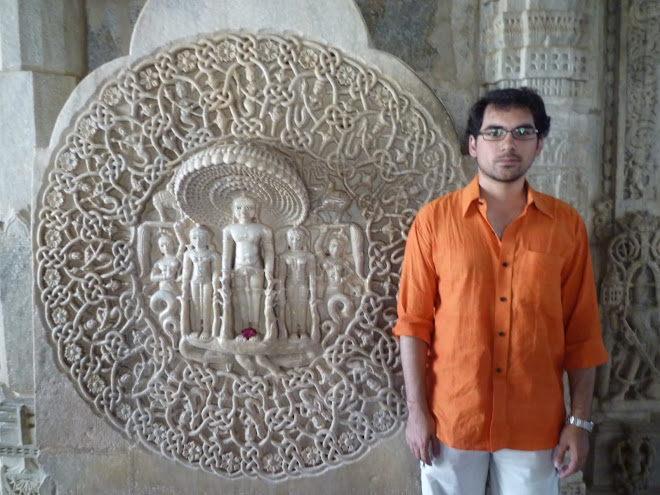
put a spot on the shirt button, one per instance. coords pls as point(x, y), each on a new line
point(502, 334)
point(505, 264)
point(503, 299)
point(499, 370)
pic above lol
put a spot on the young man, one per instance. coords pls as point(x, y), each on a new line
point(497, 299)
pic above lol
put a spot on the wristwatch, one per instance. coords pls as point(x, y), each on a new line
point(581, 423)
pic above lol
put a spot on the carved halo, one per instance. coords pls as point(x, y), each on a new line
point(207, 182)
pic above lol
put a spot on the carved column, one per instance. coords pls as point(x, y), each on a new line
point(40, 61)
point(552, 47)
point(628, 223)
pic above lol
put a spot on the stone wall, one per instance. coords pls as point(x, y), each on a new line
point(596, 64)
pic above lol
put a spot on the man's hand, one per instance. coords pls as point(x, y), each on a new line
point(420, 431)
point(576, 441)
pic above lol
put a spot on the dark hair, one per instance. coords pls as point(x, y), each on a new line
point(507, 98)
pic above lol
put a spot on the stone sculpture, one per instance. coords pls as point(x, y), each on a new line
point(632, 461)
point(201, 272)
point(248, 259)
point(302, 376)
point(165, 272)
point(298, 279)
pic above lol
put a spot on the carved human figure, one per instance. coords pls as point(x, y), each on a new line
point(183, 107)
point(247, 261)
point(339, 276)
point(641, 330)
point(632, 460)
point(201, 270)
point(298, 277)
point(334, 204)
point(166, 268)
point(165, 271)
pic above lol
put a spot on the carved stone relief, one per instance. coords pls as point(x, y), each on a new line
point(610, 96)
point(20, 473)
point(219, 240)
point(633, 457)
point(630, 306)
point(544, 49)
point(641, 158)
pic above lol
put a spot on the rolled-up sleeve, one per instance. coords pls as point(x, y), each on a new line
point(418, 290)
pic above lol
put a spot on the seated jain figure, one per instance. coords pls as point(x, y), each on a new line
point(201, 269)
point(298, 276)
point(247, 261)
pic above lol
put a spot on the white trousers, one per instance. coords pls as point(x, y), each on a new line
point(512, 472)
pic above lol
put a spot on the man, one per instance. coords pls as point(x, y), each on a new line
point(497, 299)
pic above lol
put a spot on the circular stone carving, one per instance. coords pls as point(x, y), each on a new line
point(344, 140)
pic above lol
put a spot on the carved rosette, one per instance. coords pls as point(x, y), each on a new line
point(308, 126)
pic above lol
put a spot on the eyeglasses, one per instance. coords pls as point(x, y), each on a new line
point(523, 133)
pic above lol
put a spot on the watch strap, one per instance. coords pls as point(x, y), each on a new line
point(585, 424)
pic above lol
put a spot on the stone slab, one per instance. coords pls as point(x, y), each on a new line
point(15, 307)
point(161, 21)
point(76, 474)
point(30, 105)
point(65, 421)
point(42, 35)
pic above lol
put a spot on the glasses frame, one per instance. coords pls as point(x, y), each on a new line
point(534, 133)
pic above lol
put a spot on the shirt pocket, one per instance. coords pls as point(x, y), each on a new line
point(537, 283)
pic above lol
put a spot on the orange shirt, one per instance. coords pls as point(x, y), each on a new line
point(503, 319)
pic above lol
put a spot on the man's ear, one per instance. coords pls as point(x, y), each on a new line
point(539, 147)
point(472, 146)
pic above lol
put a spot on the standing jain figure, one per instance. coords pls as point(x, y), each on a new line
point(201, 270)
point(298, 276)
point(165, 271)
point(247, 258)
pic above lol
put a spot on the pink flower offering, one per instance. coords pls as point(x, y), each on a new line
point(249, 332)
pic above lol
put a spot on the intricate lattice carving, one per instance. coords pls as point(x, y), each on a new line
point(641, 160)
point(308, 137)
point(630, 302)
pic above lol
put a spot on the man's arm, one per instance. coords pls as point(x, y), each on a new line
point(420, 430)
point(572, 438)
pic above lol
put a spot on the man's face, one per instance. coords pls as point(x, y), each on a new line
point(507, 160)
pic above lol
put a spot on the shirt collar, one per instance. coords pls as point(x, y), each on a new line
point(471, 194)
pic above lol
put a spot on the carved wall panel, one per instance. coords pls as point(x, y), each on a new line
point(633, 457)
point(638, 182)
point(218, 245)
point(630, 306)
